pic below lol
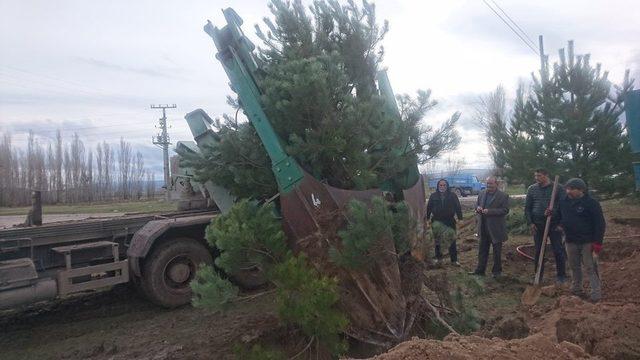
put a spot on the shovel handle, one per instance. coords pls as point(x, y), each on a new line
point(545, 235)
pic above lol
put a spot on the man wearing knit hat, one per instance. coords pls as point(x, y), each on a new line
point(583, 223)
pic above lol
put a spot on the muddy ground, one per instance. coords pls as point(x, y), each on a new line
point(119, 324)
point(7, 221)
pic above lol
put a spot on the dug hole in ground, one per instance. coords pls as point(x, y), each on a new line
point(121, 325)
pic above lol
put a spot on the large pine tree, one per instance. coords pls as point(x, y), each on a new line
point(317, 75)
point(567, 121)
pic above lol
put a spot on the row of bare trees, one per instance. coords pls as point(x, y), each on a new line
point(68, 172)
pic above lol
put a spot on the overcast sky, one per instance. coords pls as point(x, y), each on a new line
point(95, 67)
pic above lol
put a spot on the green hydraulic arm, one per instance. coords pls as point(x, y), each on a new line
point(234, 52)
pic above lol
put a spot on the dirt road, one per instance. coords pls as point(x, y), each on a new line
point(119, 324)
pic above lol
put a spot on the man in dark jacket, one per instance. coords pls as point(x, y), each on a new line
point(536, 210)
point(492, 208)
point(583, 223)
point(442, 207)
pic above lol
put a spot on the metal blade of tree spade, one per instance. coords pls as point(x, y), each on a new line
point(374, 299)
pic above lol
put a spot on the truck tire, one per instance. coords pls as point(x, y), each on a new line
point(169, 269)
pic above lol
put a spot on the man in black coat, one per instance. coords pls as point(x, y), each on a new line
point(584, 225)
point(492, 208)
point(442, 207)
point(536, 210)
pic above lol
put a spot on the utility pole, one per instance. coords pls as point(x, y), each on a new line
point(163, 141)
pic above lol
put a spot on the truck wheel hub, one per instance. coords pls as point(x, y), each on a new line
point(179, 272)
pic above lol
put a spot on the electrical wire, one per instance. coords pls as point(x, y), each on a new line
point(512, 29)
point(515, 23)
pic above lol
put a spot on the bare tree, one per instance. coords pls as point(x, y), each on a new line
point(7, 175)
point(99, 181)
point(66, 172)
point(138, 175)
point(58, 166)
point(151, 185)
point(453, 166)
point(124, 164)
point(89, 177)
point(108, 169)
point(491, 115)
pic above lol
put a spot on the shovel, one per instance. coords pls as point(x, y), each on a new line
point(532, 292)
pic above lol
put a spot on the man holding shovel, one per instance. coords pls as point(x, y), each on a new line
point(537, 210)
point(584, 225)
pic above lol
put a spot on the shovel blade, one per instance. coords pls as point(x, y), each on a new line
point(531, 295)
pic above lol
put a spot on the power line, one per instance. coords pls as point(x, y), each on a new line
point(512, 29)
point(515, 23)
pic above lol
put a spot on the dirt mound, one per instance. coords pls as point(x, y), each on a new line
point(633, 222)
point(510, 327)
point(610, 328)
point(621, 280)
point(473, 347)
point(619, 249)
point(605, 329)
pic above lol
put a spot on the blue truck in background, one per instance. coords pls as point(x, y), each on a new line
point(461, 184)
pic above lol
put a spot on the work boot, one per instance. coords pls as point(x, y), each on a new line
point(475, 273)
point(456, 263)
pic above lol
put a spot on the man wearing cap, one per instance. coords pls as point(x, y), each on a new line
point(583, 223)
point(536, 210)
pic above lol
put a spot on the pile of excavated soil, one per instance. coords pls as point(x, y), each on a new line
point(610, 328)
point(456, 347)
point(604, 329)
point(621, 279)
point(570, 328)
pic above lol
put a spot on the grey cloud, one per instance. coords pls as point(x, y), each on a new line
point(481, 23)
point(486, 26)
point(163, 73)
point(152, 157)
point(69, 96)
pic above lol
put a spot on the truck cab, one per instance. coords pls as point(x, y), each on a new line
point(463, 184)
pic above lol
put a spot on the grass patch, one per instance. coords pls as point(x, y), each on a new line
point(516, 189)
point(92, 208)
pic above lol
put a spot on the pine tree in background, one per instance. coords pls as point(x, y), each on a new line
point(318, 81)
point(567, 121)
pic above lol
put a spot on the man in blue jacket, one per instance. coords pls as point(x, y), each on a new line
point(583, 223)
